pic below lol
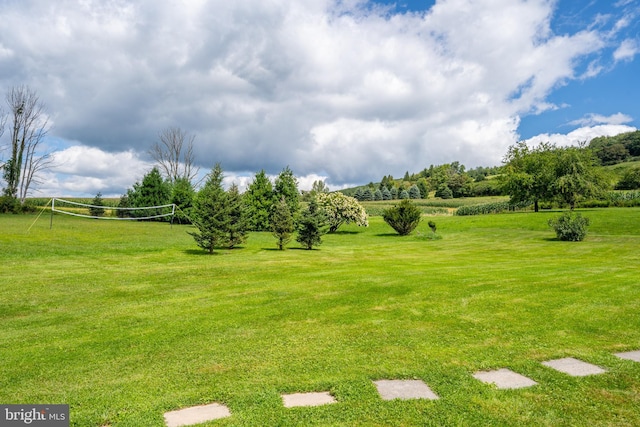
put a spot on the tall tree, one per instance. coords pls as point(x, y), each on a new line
point(286, 185)
point(210, 213)
point(237, 226)
point(174, 154)
point(29, 126)
point(530, 173)
point(577, 175)
point(259, 199)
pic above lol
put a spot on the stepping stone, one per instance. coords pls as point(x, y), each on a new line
point(574, 367)
point(630, 355)
point(404, 389)
point(196, 415)
point(307, 399)
point(504, 379)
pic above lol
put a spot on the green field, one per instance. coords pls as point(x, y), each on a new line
point(127, 320)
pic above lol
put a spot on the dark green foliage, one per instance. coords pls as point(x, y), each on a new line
point(182, 195)
point(153, 191)
point(123, 203)
point(404, 194)
point(286, 185)
point(432, 226)
point(367, 195)
point(394, 193)
point(403, 218)
point(259, 199)
point(210, 214)
point(444, 192)
point(237, 227)
point(96, 208)
point(311, 226)
point(570, 226)
point(281, 222)
point(630, 180)
point(616, 149)
point(377, 195)
point(9, 204)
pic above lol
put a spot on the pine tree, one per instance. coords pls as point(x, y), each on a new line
point(153, 191)
point(414, 192)
point(386, 194)
point(96, 209)
point(210, 213)
point(259, 198)
point(182, 195)
point(377, 195)
point(281, 221)
point(286, 185)
point(310, 226)
point(238, 226)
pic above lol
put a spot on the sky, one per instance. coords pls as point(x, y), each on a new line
point(345, 91)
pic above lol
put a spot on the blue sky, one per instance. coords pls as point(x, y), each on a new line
point(346, 91)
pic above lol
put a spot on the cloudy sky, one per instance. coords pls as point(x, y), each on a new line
point(341, 90)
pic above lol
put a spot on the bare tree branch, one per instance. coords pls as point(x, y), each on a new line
point(29, 127)
point(174, 154)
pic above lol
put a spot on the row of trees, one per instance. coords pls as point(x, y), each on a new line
point(223, 218)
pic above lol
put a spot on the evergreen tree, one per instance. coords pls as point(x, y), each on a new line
point(404, 194)
point(310, 226)
point(259, 199)
point(281, 222)
point(237, 226)
point(394, 193)
point(153, 191)
point(210, 213)
point(444, 192)
point(358, 194)
point(377, 195)
point(96, 209)
point(182, 195)
point(414, 192)
point(386, 194)
point(403, 218)
point(286, 185)
point(367, 195)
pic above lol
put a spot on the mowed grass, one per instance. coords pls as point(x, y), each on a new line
point(127, 320)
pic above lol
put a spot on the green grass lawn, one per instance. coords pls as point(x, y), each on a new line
point(125, 321)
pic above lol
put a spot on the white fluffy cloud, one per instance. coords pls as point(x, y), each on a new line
point(330, 88)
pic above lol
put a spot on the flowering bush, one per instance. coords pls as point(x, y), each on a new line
point(340, 209)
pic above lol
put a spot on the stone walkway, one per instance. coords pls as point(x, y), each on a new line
point(399, 389)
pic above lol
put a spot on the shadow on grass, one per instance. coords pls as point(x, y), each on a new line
point(216, 251)
point(293, 248)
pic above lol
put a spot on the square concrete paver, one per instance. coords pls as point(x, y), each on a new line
point(574, 367)
point(630, 355)
point(196, 415)
point(404, 389)
point(307, 399)
point(504, 379)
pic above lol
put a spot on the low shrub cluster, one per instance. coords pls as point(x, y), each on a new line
point(570, 226)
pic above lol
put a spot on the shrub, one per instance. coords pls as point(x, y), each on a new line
point(96, 208)
point(570, 226)
point(403, 218)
